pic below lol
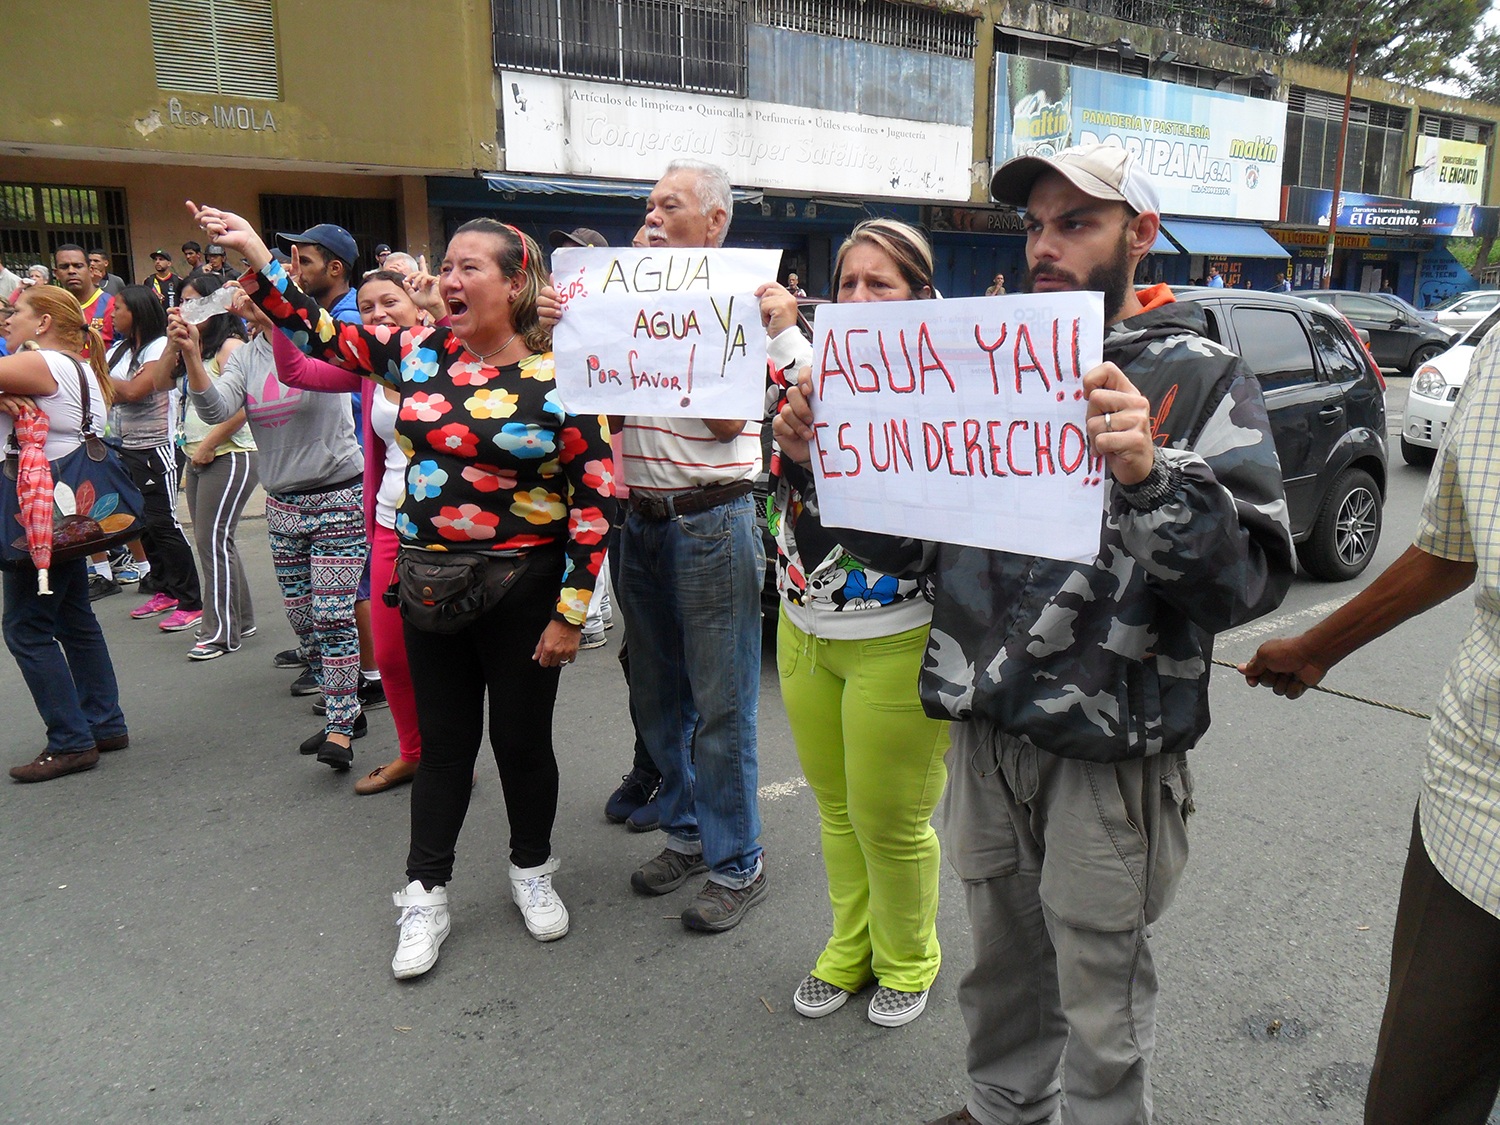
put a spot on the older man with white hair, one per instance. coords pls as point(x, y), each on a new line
point(692, 566)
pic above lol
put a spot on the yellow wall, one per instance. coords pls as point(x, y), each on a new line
point(154, 195)
point(383, 83)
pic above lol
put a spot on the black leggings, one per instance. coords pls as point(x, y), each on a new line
point(154, 472)
point(450, 674)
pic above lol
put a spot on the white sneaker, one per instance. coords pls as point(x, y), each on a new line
point(531, 888)
point(424, 924)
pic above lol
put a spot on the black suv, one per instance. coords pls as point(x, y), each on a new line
point(1326, 402)
point(1402, 338)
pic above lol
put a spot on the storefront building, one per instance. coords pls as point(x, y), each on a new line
point(290, 114)
point(822, 115)
point(1419, 169)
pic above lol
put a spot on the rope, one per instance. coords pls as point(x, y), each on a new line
point(1347, 695)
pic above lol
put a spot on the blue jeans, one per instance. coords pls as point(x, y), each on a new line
point(61, 652)
point(690, 589)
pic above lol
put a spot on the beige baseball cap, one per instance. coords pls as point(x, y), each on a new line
point(1103, 171)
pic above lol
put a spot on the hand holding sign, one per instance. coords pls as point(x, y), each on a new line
point(1119, 424)
point(967, 421)
point(793, 424)
point(662, 331)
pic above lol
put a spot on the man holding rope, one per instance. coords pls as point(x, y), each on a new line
point(1438, 1055)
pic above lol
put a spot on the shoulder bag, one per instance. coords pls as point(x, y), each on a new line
point(95, 504)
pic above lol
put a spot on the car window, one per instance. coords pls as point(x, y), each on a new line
point(1333, 349)
point(1480, 330)
point(1366, 307)
point(1448, 303)
point(1273, 343)
point(1483, 303)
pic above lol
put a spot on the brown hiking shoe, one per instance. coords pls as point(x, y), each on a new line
point(47, 765)
point(716, 907)
point(666, 872)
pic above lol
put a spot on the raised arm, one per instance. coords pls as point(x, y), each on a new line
point(374, 352)
point(308, 374)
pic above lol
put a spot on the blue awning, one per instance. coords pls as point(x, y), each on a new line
point(1223, 240)
point(1163, 245)
point(611, 189)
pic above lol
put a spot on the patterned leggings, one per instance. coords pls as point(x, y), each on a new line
point(318, 544)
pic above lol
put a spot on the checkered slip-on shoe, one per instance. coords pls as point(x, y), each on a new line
point(815, 997)
point(892, 1008)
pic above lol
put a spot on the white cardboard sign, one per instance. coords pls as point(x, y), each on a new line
point(961, 421)
point(667, 332)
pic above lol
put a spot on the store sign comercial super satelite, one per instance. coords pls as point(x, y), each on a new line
point(563, 126)
point(1208, 153)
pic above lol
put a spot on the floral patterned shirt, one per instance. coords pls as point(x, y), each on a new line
point(496, 463)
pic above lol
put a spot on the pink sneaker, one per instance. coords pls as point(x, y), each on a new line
point(158, 605)
point(181, 619)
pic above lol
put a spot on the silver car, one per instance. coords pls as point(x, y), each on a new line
point(1464, 310)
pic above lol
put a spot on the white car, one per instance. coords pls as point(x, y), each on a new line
point(1434, 389)
point(1464, 310)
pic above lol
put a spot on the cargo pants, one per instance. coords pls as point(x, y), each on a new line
point(1065, 864)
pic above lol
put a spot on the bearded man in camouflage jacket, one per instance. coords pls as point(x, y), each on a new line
point(1076, 690)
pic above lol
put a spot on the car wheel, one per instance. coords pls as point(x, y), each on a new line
point(1417, 455)
point(1347, 530)
point(1423, 355)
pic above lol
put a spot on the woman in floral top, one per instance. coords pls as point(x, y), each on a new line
point(497, 465)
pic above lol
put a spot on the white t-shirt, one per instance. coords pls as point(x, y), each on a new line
point(393, 483)
point(152, 421)
point(64, 408)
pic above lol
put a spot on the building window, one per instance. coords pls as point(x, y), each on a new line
point(677, 44)
point(873, 21)
point(35, 219)
point(216, 47)
point(1257, 26)
point(1452, 128)
point(1373, 154)
point(370, 221)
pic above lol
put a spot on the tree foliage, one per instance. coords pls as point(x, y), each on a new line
point(1483, 77)
point(1410, 41)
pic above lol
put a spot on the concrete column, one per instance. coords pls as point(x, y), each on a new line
point(411, 194)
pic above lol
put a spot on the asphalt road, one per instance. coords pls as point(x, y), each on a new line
point(201, 928)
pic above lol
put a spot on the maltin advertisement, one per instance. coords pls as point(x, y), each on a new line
point(1211, 154)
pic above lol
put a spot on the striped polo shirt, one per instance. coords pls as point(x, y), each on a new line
point(675, 454)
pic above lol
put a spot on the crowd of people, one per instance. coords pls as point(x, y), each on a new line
point(1047, 707)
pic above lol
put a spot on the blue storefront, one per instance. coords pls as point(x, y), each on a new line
point(1383, 240)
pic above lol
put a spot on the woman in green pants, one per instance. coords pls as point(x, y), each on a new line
point(849, 645)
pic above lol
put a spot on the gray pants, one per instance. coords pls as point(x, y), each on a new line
point(1065, 864)
point(216, 495)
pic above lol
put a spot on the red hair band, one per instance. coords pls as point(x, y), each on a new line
point(521, 238)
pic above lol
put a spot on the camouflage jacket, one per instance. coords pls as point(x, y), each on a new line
point(1110, 660)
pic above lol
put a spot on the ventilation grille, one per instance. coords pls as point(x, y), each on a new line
point(872, 21)
point(1453, 128)
point(216, 47)
point(1330, 107)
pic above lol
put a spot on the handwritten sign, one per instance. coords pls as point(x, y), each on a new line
point(961, 421)
point(670, 332)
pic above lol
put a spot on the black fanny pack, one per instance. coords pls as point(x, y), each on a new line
point(446, 591)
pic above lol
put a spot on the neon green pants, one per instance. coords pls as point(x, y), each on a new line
point(874, 761)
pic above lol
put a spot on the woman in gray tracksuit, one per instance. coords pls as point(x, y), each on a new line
point(311, 468)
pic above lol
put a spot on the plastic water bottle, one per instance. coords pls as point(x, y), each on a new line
point(195, 310)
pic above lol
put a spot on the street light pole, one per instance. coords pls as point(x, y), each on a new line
point(1338, 182)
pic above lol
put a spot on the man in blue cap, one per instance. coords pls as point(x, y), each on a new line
point(325, 257)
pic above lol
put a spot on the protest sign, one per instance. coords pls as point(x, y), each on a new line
point(662, 331)
point(961, 421)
